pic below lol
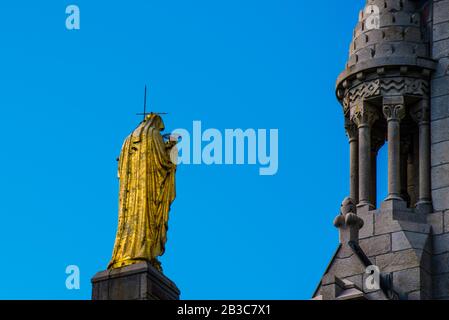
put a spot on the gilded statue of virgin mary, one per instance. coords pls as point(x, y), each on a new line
point(147, 189)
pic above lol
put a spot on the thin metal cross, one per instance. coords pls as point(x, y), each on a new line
point(145, 113)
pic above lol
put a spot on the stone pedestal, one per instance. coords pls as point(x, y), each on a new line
point(135, 282)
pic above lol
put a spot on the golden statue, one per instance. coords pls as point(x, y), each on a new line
point(147, 189)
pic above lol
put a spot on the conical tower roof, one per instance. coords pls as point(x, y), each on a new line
point(389, 33)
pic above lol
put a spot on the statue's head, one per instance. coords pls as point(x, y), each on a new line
point(155, 120)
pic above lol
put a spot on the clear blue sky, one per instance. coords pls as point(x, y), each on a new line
point(69, 98)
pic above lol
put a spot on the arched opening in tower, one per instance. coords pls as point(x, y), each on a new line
point(382, 175)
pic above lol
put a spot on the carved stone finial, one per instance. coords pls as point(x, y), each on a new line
point(348, 222)
point(347, 206)
point(353, 220)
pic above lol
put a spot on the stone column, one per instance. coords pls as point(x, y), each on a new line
point(394, 112)
point(421, 114)
point(364, 116)
point(352, 133)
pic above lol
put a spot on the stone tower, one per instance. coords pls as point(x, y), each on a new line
point(395, 90)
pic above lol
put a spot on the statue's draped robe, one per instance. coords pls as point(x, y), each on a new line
point(147, 189)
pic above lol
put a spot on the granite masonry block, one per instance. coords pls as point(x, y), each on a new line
point(442, 69)
point(441, 286)
point(440, 263)
point(440, 129)
point(408, 240)
point(426, 283)
point(440, 49)
point(446, 221)
point(397, 261)
point(357, 280)
point(439, 85)
point(368, 224)
point(440, 199)
point(440, 105)
point(441, 31)
point(375, 246)
point(408, 280)
point(441, 243)
point(347, 267)
point(440, 10)
point(440, 153)
point(440, 176)
point(135, 282)
point(345, 251)
point(388, 222)
point(436, 221)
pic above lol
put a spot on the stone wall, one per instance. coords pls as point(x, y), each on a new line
point(399, 244)
point(440, 106)
point(440, 149)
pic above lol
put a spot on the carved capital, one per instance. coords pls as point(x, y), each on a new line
point(394, 108)
point(351, 130)
point(394, 112)
point(364, 115)
point(421, 112)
